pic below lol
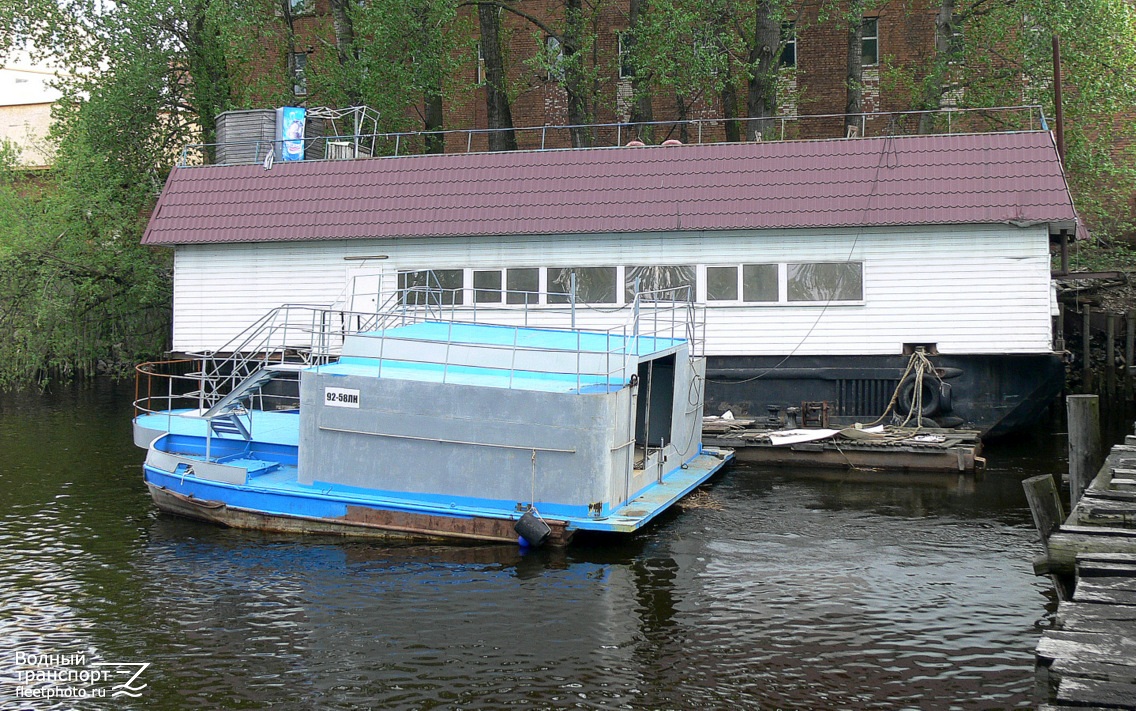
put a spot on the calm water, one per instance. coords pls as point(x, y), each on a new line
point(784, 592)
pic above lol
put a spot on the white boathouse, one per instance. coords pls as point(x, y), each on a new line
point(821, 264)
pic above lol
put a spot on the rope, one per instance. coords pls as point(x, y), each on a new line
point(921, 364)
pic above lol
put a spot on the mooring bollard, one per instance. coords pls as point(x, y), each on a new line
point(1084, 442)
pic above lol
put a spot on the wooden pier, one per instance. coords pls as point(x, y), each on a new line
point(926, 450)
point(1088, 660)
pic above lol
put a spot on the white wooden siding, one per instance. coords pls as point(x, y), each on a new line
point(968, 289)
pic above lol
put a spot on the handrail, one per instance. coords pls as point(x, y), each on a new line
point(1034, 120)
point(313, 335)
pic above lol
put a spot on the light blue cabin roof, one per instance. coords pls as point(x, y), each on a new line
point(530, 338)
point(518, 358)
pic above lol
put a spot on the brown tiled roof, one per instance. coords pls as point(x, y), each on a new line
point(908, 180)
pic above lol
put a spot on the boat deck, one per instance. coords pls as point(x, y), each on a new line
point(275, 488)
point(271, 427)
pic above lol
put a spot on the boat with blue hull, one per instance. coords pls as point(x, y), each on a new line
point(432, 422)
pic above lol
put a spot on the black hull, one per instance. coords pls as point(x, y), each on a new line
point(995, 394)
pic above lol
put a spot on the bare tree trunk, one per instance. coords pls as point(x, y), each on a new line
point(575, 76)
point(728, 96)
point(683, 110)
point(344, 31)
point(435, 142)
point(854, 80)
point(345, 44)
point(498, 113)
point(761, 98)
point(432, 91)
point(212, 82)
point(935, 83)
point(641, 111)
point(729, 100)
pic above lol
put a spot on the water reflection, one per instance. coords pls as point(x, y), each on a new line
point(781, 592)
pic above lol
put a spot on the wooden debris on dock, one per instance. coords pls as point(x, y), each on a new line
point(909, 449)
point(1103, 521)
point(1089, 659)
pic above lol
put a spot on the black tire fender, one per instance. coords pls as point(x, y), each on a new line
point(932, 396)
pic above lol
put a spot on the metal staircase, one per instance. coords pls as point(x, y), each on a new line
point(230, 423)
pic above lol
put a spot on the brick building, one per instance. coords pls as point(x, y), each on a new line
point(812, 71)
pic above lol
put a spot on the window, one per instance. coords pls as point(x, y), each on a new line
point(431, 286)
point(826, 281)
point(594, 285)
point(721, 283)
point(554, 58)
point(297, 8)
point(624, 42)
point(759, 282)
point(788, 44)
point(870, 42)
point(523, 285)
point(708, 51)
point(299, 62)
point(487, 286)
point(480, 64)
point(657, 278)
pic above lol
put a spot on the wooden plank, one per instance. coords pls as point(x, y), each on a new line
point(1101, 500)
point(1102, 533)
point(1118, 673)
point(1044, 503)
point(1086, 647)
point(1107, 558)
point(1109, 495)
point(1065, 544)
point(1092, 590)
point(1072, 616)
point(1106, 570)
point(1087, 692)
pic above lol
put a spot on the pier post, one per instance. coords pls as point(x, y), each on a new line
point(1110, 358)
point(1086, 338)
point(1129, 346)
point(1084, 442)
point(1059, 336)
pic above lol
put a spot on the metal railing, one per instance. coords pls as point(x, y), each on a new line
point(770, 128)
point(298, 336)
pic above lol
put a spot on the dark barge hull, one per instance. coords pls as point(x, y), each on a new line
point(360, 522)
point(995, 394)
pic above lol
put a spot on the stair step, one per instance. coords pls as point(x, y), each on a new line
point(229, 424)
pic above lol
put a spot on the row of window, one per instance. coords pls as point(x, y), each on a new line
point(869, 45)
point(793, 282)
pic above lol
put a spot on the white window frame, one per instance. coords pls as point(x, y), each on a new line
point(874, 37)
point(624, 70)
point(554, 56)
point(788, 39)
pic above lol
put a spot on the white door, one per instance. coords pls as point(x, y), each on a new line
point(364, 284)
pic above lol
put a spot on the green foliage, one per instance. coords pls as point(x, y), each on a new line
point(1003, 61)
point(78, 293)
point(404, 52)
point(1098, 256)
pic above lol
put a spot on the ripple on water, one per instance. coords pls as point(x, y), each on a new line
point(794, 594)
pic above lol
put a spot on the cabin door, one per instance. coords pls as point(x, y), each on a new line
point(364, 284)
point(364, 289)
